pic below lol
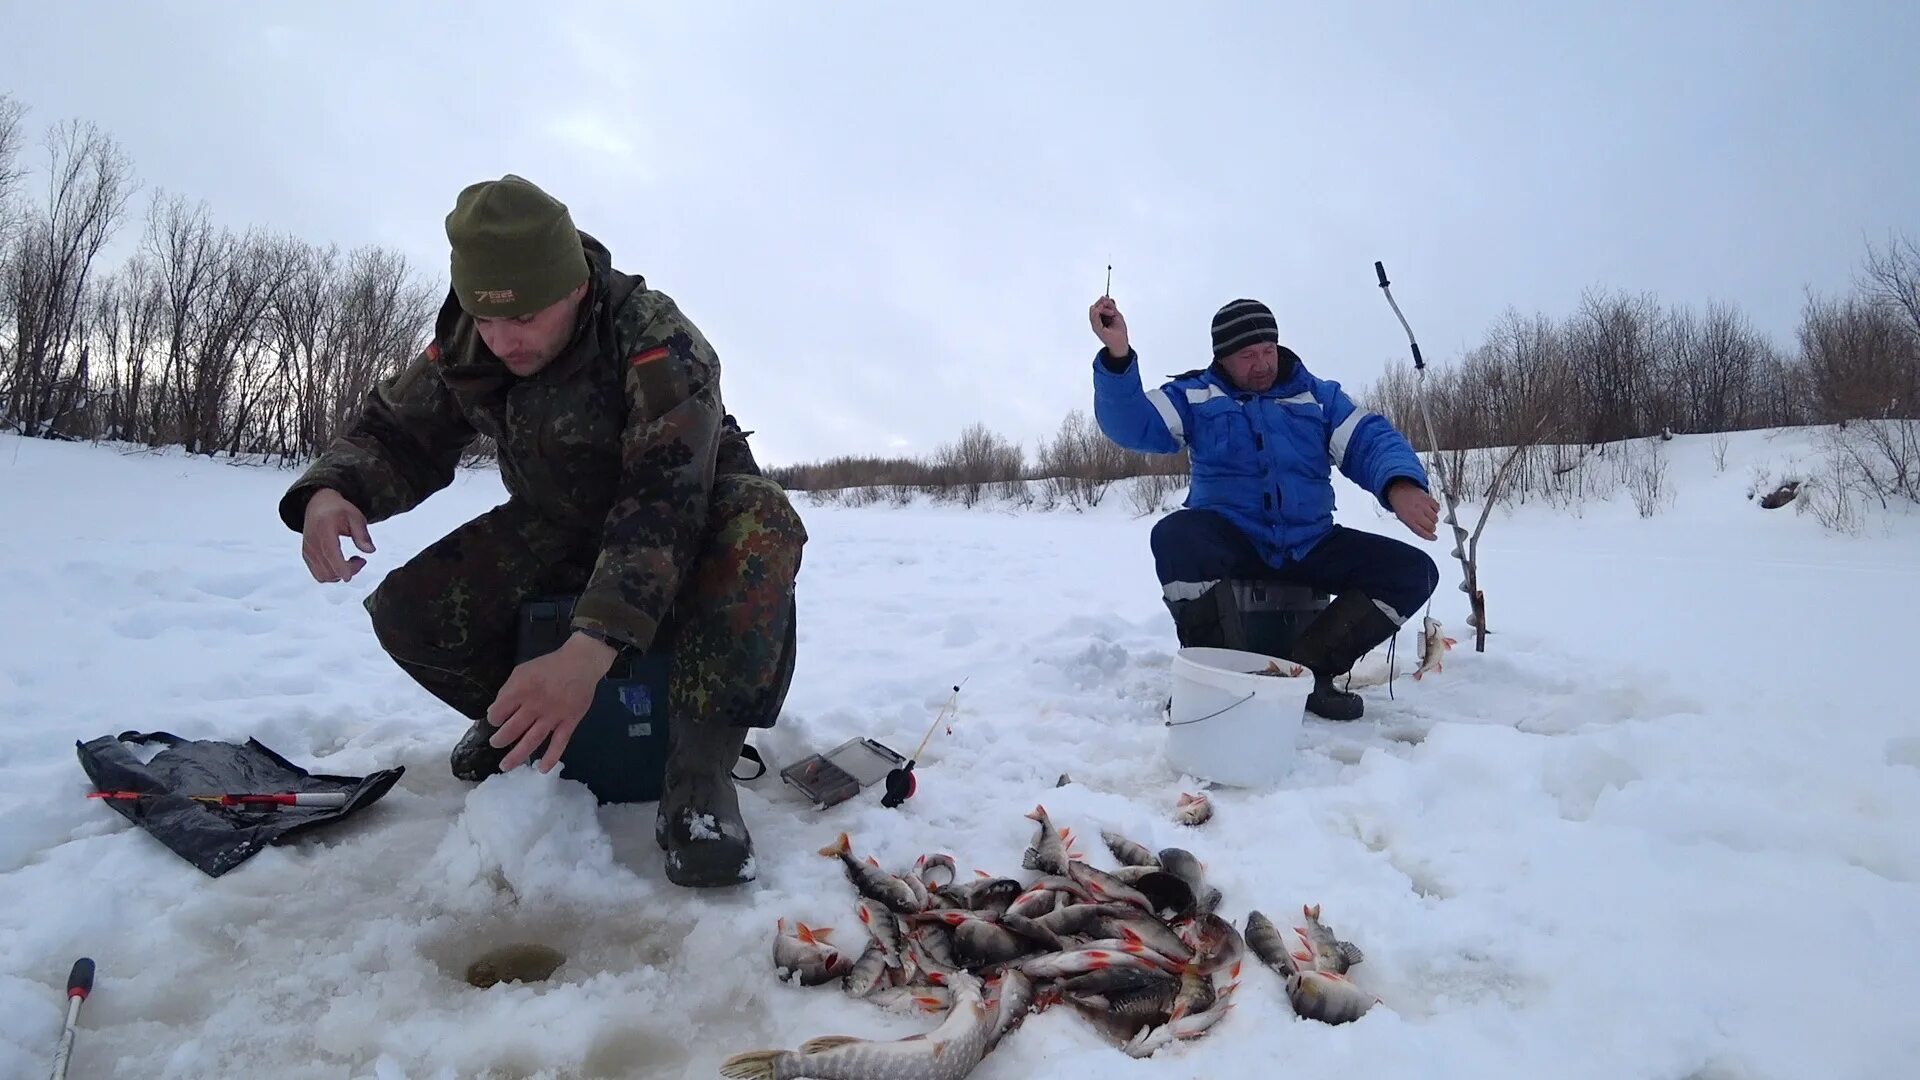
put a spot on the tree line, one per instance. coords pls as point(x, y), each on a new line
point(260, 344)
point(216, 341)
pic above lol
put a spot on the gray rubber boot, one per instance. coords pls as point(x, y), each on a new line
point(698, 823)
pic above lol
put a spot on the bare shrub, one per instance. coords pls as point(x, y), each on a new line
point(1833, 498)
point(1646, 477)
point(1720, 444)
point(1150, 492)
point(969, 468)
point(1081, 463)
point(1875, 461)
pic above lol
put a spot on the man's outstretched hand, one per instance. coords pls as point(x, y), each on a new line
point(329, 517)
point(1416, 509)
point(546, 697)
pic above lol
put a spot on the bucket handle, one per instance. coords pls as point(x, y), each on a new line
point(1214, 713)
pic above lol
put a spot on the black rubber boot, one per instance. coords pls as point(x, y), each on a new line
point(1331, 703)
point(698, 822)
point(1209, 620)
point(472, 759)
point(1330, 645)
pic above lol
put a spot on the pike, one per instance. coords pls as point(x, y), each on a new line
point(924, 998)
point(948, 1052)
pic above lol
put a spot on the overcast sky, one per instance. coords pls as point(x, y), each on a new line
point(890, 219)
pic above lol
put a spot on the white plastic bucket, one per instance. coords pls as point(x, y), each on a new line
point(1232, 726)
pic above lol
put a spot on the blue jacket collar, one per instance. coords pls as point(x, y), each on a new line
point(1299, 381)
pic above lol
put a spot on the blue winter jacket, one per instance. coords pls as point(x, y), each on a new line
point(1263, 460)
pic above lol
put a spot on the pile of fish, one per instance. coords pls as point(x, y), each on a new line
point(1140, 952)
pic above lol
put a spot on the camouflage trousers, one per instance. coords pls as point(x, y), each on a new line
point(450, 615)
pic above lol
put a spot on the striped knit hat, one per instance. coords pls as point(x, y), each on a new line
point(1240, 324)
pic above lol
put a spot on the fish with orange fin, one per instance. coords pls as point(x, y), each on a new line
point(1193, 809)
point(1434, 644)
point(1048, 852)
point(871, 880)
point(805, 954)
point(1313, 962)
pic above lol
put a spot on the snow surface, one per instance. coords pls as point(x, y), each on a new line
point(1664, 827)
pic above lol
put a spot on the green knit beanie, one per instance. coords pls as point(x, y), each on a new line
point(515, 249)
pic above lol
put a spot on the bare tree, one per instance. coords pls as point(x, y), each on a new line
point(1611, 342)
point(52, 261)
point(127, 328)
point(1859, 356)
point(1893, 279)
point(11, 168)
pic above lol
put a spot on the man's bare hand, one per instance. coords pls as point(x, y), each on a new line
point(1414, 507)
point(329, 517)
point(1113, 337)
point(546, 697)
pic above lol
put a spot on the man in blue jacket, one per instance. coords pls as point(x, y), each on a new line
point(1264, 434)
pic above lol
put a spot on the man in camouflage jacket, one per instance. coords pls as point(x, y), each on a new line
point(630, 488)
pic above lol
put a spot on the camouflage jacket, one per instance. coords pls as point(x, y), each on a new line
point(620, 437)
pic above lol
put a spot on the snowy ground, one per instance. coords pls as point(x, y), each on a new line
point(1665, 827)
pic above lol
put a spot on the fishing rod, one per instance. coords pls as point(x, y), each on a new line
point(79, 985)
point(291, 798)
point(900, 782)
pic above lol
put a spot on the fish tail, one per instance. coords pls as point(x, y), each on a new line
point(840, 848)
point(754, 1065)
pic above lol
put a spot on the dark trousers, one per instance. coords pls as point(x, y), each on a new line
point(1192, 549)
point(450, 616)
